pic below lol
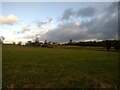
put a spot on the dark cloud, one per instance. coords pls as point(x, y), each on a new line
point(68, 13)
point(113, 8)
point(106, 26)
point(64, 32)
point(39, 23)
point(49, 19)
point(102, 25)
point(98, 27)
point(86, 12)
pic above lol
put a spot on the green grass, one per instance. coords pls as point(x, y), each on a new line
point(36, 67)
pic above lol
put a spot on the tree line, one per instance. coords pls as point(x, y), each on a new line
point(108, 44)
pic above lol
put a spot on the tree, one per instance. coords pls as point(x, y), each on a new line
point(49, 43)
point(13, 43)
point(19, 43)
point(0, 42)
point(116, 45)
point(54, 43)
point(2, 39)
point(29, 43)
point(108, 44)
point(36, 40)
point(45, 44)
point(70, 41)
point(36, 43)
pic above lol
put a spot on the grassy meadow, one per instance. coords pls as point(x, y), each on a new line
point(59, 67)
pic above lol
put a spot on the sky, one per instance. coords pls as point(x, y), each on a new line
point(58, 21)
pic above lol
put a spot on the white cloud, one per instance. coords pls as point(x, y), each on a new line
point(11, 19)
point(15, 32)
point(26, 27)
point(2, 19)
point(29, 32)
point(77, 23)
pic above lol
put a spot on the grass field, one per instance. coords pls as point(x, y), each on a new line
point(59, 67)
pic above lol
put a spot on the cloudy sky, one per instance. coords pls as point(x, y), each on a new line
point(59, 22)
